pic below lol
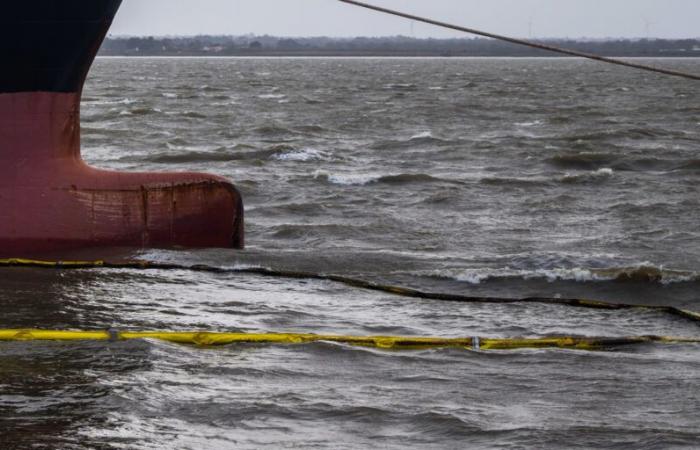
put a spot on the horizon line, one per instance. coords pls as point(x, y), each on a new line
point(403, 36)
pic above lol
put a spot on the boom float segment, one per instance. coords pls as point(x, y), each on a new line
point(348, 281)
point(49, 198)
point(203, 338)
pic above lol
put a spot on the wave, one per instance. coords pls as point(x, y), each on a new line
point(596, 160)
point(272, 130)
point(347, 179)
point(401, 86)
point(596, 175)
point(365, 179)
point(207, 88)
point(560, 120)
point(582, 160)
point(98, 102)
point(534, 123)
point(221, 154)
point(421, 138)
point(188, 157)
point(516, 181)
point(422, 135)
point(635, 133)
point(239, 152)
point(414, 178)
point(192, 115)
point(312, 101)
point(650, 206)
point(272, 96)
point(312, 231)
point(643, 273)
point(140, 111)
point(310, 129)
point(301, 155)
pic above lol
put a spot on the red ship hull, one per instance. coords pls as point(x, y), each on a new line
point(51, 200)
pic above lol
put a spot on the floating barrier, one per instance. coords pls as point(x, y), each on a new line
point(202, 338)
point(352, 282)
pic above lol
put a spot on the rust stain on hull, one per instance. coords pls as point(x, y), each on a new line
point(194, 215)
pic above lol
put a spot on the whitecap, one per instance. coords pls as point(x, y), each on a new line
point(305, 154)
point(641, 272)
point(348, 179)
point(123, 101)
point(533, 123)
point(602, 173)
point(422, 135)
point(271, 96)
point(400, 86)
point(574, 274)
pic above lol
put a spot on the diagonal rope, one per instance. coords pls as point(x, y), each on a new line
point(527, 43)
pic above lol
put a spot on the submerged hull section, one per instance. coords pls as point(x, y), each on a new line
point(49, 198)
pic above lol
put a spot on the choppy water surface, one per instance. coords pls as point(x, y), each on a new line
point(506, 178)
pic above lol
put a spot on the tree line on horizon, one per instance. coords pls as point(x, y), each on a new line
point(251, 45)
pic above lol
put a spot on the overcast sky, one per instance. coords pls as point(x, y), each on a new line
point(522, 18)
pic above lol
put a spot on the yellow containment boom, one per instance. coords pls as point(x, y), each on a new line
point(203, 338)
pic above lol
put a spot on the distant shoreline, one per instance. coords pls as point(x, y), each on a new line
point(393, 47)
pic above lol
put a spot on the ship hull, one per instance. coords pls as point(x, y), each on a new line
point(49, 198)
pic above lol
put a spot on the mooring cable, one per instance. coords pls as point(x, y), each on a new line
point(532, 44)
point(204, 338)
point(348, 281)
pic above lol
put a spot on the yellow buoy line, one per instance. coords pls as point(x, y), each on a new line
point(203, 338)
point(349, 281)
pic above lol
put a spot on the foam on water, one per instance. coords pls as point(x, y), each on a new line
point(305, 154)
point(422, 135)
point(643, 273)
point(348, 179)
point(596, 175)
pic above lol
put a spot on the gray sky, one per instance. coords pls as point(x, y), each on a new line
point(522, 18)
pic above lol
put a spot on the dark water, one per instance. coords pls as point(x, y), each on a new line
point(500, 177)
